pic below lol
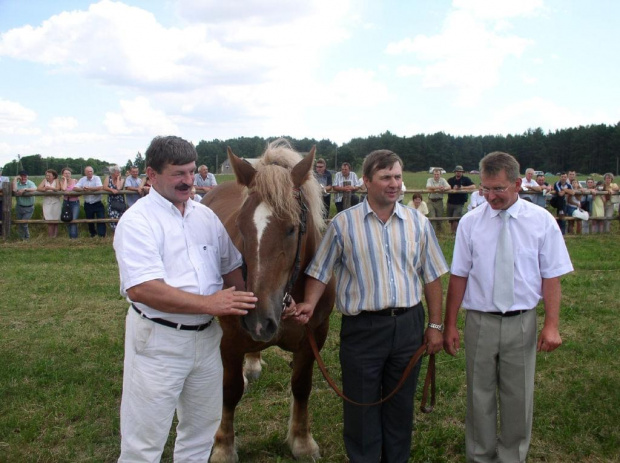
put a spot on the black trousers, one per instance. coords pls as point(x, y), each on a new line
point(95, 211)
point(374, 351)
point(327, 200)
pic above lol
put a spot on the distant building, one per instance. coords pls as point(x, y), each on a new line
point(226, 169)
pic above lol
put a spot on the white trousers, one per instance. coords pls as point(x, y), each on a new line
point(167, 370)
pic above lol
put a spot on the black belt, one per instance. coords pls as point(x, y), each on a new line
point(170, 324)
point(508, 314)
point(390, 312)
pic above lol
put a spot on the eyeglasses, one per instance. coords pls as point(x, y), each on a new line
point(496, 190)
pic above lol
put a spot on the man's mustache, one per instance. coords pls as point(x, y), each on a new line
point(183, 187)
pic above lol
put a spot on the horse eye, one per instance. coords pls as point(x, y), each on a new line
point(290, 231)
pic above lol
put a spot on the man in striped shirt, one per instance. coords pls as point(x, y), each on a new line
point(384, 256)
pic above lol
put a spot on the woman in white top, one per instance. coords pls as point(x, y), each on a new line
point(51, 204)
point(417, 203)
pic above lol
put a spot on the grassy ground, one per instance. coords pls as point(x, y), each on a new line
point(61, 344)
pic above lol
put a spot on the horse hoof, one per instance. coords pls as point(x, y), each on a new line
point(304, 447)
point(223, 454)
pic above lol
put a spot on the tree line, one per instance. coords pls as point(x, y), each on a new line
point(586, 149)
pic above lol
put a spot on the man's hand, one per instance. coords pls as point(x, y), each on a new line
point(302, 314)
point(231, 302)
point(451, 341)
point(549, 339)
point(433, 340)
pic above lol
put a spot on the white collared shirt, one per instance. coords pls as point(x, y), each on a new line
point(525, 186)
point(539, 250)
point(94, 181)
point(202, 182)
point(190, 252)
point(339, 180)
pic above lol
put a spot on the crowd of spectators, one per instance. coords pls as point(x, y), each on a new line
point(590, 204)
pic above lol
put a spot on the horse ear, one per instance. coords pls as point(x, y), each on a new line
point(303, 168)
point(243, 170)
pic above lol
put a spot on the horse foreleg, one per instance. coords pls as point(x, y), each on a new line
point(253, 365)
point(299, 437)
point(224, 450)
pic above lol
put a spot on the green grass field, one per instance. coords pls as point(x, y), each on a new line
point(61, 344)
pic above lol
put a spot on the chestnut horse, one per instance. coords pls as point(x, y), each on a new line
point(263, 213)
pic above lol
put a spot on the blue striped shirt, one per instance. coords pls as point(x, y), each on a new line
point(378, 265)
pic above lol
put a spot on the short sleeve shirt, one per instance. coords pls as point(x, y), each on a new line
point(191, 252)
point(539, 252)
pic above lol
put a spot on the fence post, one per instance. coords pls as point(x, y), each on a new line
point(7, 202)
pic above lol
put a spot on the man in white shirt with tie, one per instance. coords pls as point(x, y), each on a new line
point(499, 281)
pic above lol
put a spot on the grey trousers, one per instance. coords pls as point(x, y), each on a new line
point(23, 213)
point(501, 361)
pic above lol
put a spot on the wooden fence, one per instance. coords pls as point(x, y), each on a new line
point(7, 204)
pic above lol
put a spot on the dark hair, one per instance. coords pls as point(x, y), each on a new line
point(53, 172)
point(493, 163)
point(66, 168)
point(169, 150)
point(379, 159)
point(416, 195)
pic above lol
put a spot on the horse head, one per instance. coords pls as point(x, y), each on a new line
point(281, 195)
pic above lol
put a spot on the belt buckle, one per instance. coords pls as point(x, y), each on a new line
point(393, 312)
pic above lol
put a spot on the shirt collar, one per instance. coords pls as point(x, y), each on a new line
point(399, 210)
point(513, 211)
point(163, 202)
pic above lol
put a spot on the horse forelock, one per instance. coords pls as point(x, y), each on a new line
point(274, 185)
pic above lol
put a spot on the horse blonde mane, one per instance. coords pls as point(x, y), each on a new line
point(274, 184)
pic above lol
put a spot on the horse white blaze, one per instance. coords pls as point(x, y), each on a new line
point(262, 215)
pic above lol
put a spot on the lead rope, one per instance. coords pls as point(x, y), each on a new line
point(429, 381)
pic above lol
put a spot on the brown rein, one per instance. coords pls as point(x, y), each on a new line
point(428, 382)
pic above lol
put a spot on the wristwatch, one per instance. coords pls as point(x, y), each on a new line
point(436, 326)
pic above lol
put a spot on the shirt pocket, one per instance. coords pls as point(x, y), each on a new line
point(527, 259)
point(207, 261)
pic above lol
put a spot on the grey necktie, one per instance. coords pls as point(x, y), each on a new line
point(503, 284)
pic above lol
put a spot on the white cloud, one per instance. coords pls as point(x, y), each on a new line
point(15, 119)
point(470, 50)
point(537, 112)
point(406, 71)
point(138, 117)
point(498, 10)
point(61, 123)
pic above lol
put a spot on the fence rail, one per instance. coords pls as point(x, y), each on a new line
point(6, 193)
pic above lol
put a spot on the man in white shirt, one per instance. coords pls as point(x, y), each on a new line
point(174, 255)
point(3, 179)
point(527, 183)
point(204, 181)
point(93, 207)
point(477, 199)
point(436, 184)
point(345, 182)
point(499, 280)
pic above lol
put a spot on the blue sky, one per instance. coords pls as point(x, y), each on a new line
point(101, 79)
